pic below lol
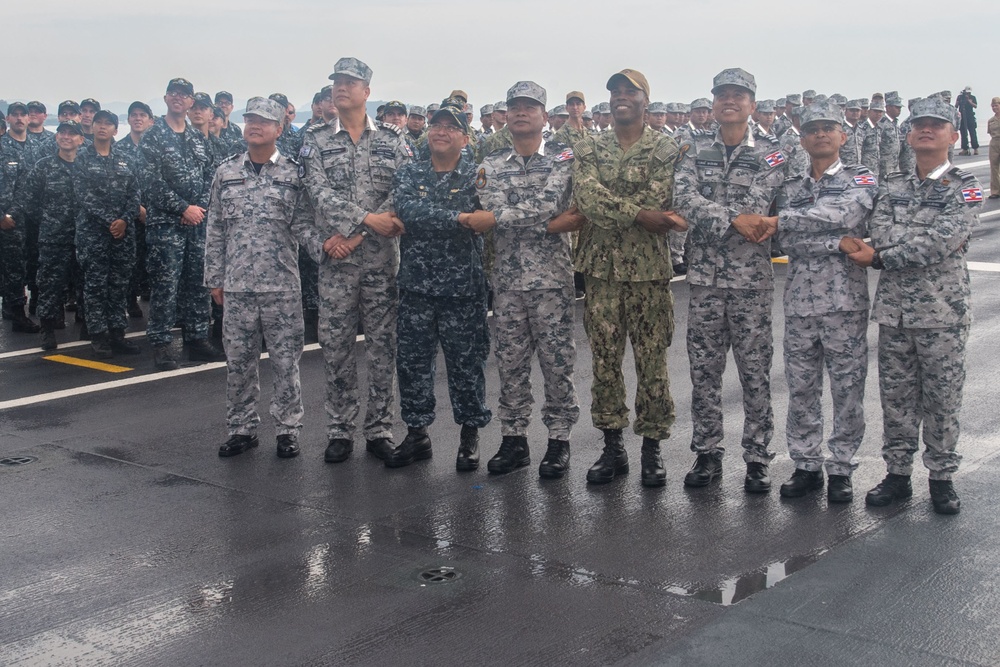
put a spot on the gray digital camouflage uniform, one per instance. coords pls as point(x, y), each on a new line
point(345, 182)
point(108, 190)
point(532, 279)
point(923, 305)
point(254, 226)
point(178, 174)
point(826, 313)
point(732, 284)
point(888, 146)
point(627, 271)
point(796, 158)
point(861, 147)
point(442, 294)
point(907, 159)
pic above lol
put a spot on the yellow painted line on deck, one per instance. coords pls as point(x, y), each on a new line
point(86, 363)
point(779, 260)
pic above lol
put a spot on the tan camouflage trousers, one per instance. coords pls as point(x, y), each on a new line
point(921, 373)
point(526, 322)
point(838, 341)
point(717, 320)
point(350, 294)
point(642, 312)
point(277, 318)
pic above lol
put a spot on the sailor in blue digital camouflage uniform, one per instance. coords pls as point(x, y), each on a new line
point(12, 238)
point(257, 218)
point(726, 183)
point(527, 191)
point(108, 191)
point(825, 304)
point(920, 234)
point(349, 165)
point(442, 291)
point(178, 173)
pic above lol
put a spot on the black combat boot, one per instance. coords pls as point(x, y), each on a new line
point(120, 344)
point(101, 345)
point(944, 497)
point(338, 450)
point(468, 449)
point(556, 461)
point(49, 335)
point(801, 483)
point(613, 461)
point(653, 473)
point(203, 350)
point(706, 469)
point(893, 487)
point(134, 309)
point(163, 358)
point(416, 446)
point(380, 448)
point(288, 446)
point(21, 323)
point(513, 454)
point(840, 489)
point(237, 444)
point(757, 479)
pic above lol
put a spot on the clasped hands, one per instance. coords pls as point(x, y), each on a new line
point(385, 224)
point(661, 222)
point(857, 251)
point(755, 228)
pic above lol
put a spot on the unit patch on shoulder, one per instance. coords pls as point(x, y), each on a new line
point(481, 178)
point(774, 159)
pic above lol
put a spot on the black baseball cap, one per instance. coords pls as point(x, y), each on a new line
point(72, 125)
point(141, 106)
point(182, 84)
point(35, 105)
point(202, 99)
point(108, 115)
point(15, 107)
point(70, 105)
point(223, 95)
point(280, 98)
point(90, 102)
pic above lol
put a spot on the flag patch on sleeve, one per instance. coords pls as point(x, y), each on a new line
point(972, 195)
point(774, 159)
point(865, 179)
point(565, 155)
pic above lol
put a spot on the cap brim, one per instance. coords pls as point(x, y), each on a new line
point(611, 81)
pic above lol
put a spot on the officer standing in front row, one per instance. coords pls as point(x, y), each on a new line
point(256, 220)
point(826, 305)
point(920, 231)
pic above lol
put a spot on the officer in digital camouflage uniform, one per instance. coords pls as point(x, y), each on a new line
point(796, 157)
point(200, 116)
point(499, 116)
point(826, 306)
point(862, 139)
point(349, 166)
point(920, 235)
point(108, 192)
point(12, 280)
point(49, 195)
point(573, 130)
point(486, 120)
point(726, 183)
point(88, 109)
point(256, 220)
point(763, 117)
point(416, 124)
point(37, 115)
point(526, 192)
point(656, 117)
point(231, 132)
point(442, 291)
point(140, 118)
point(907, 158)
point(623, 184)
point(781, 125)
point(888, 136)
point(178, 174)
point(16, 137)
point(290, 141)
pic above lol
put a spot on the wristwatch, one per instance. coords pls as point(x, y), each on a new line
point(877, 261)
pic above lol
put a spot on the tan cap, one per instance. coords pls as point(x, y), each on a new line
point(577, 94)
point(635, 77)
point(460, 93)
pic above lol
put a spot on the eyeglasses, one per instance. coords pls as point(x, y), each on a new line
point(444, 127)
point(178, 93)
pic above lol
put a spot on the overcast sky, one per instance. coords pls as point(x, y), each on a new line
point(420, 51)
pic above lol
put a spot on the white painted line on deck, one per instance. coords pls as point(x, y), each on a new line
point(984, 266)
point(991, 214)
point(62, 346)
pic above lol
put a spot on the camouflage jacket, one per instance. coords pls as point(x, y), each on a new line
point(290, 142)
point(42, 143)
point(813, 217)
point(921, 231)
point(438, 256)
point(131, 150)
point(524, 196)
point(888, 146)
point(231, 133)
point(177, 171)
point(610, 187)
point(494, 142)
point(569, 135)
point(347, 181)
point(107, 188)
point(27, 149)
point(861, 147)
point(12, 168)
point(781, 125)
point(49, 194)
point(797, 160)
point(712, 190)
point(254, 226)
point(907, 158)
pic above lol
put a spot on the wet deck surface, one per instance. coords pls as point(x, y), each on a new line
point(128, 541)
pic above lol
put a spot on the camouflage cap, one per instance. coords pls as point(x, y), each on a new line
point(266, 108)
point(203, 100)
point(218, 113)
point(417, 111)
point(604, 107)
point(674, 107)
point(35, 105)
point(596, 108)
point(857, 104)
point(461, 94)
point(795, 112)
point(92, 103)
point(934, 107)
point(528, 90)
point(765, 106)
point(837, 98)
point(353, 67)
point(877, 104)
point(657, 107)
point(892, 99)
point(17, 107)
point(72, 126)
point(68, 105)
point(450, 112)
point(500, 105)
point(818, 111)
point(685, 108)
point(181, 84)
point(865, 103)
point(486, 110)
point(910, 102)
point(701, 103)
point(280, 98)
point(326, 92)
point(633, 76)
point(577, 94)
point(560, 111)
point(432, 107)
point(821, 98)
point(794, 99)
point(588, 114)
point(223, 95)
point(468, 109)
point(810, 94)
point(394, 105)
point(108, 115)
point(780, 102)
point(945, 93)
point(735, 77)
